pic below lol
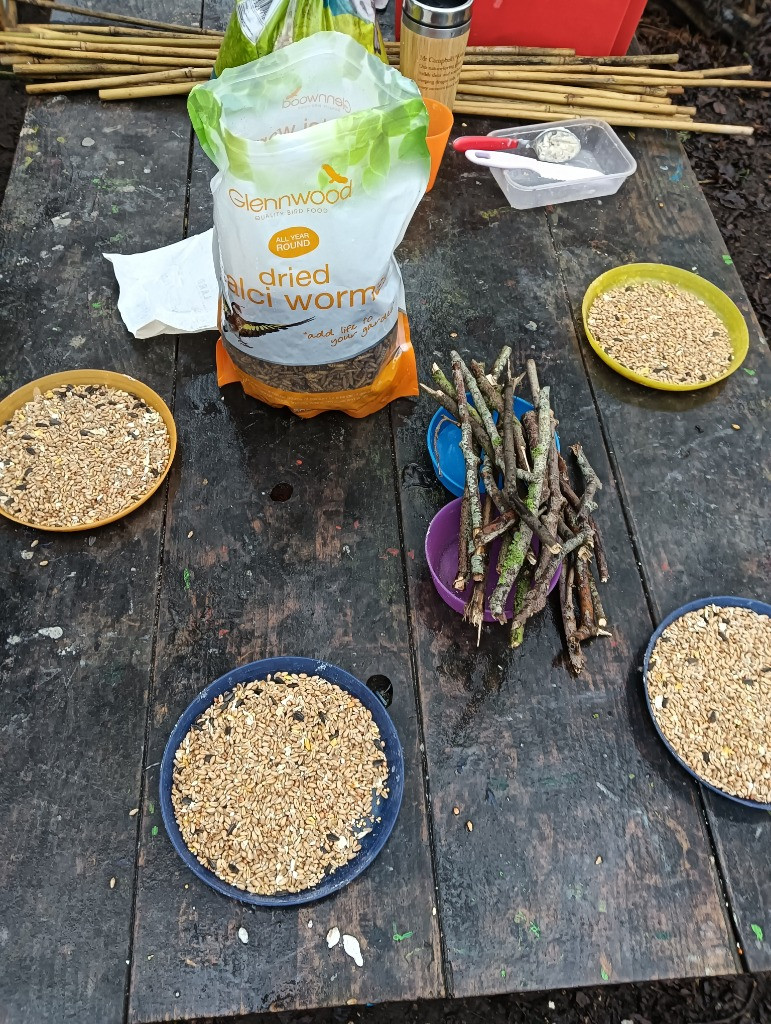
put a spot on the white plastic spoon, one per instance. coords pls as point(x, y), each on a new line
point(508, 161)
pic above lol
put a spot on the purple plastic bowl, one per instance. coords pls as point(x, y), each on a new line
point(442, 556)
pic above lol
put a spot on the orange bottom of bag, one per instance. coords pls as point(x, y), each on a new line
point(397, 379)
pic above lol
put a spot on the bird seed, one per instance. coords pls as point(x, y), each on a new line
point(278, 781)
point(709, 684)
point(661, 331)
point(80, 454)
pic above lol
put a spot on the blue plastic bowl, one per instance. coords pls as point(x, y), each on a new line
point(443, 440)
point(388, 810)
point(723, 602)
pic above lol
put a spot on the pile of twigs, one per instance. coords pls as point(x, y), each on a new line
point(528, 493)
point(152, 58)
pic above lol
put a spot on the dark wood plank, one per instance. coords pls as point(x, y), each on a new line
point(72, 710)
point(318, 575)
point(696, 491)
point(553, 772)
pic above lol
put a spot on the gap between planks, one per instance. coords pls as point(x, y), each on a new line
point(737, 949)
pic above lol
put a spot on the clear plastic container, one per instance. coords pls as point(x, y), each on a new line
point(601, 151)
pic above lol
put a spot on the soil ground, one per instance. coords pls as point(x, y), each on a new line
point(734, 174)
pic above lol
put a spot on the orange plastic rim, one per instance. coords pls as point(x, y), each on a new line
point(710, 294)
point(440, 122)
point(25, 393)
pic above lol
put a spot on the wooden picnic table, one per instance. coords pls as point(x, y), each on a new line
point(554, 772)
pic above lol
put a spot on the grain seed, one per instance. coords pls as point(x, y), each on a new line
point(661, 331)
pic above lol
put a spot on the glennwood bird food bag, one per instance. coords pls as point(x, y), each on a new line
point(322, 158)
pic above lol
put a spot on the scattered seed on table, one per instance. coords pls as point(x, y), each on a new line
point(112, 883)
point(80, 454)
point(277, 781)
point(709, 682)
point(243, 935)
point(661, 331)
point(470, 826)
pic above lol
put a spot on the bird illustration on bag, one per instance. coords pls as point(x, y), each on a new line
point(244, 328)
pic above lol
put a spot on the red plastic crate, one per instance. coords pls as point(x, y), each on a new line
point(592, 27)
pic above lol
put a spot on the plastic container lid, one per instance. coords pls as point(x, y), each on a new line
point(120, 381)
point(388, 809)
point(443, 441)
point(601, 151)
point(724, 602)
point(710, 294)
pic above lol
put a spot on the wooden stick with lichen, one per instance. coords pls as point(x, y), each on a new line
point(484, 413)
point(520, 543)
point(472, 473)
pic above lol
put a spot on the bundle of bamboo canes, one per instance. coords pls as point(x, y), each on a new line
point(138, 58)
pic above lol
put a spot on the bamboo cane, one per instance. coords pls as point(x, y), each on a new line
point(593, 69)
point(175, 75)
point(392, 46)
point(120, 18)
point(589, 108)
point(529, 113)
point(76, 68)
point(584, 97)
point(638, 90)
point(122, 58)
point(111, 30)
point(633, 63)
point(69, 38)
point(41, 46)
point(668, 80)
point(144, 91)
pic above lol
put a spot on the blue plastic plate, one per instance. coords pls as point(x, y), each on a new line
point(388, 810)
point(723, 602)
point(443, 440)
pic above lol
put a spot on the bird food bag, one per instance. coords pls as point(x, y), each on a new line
point(322, 158)
point(257, 27)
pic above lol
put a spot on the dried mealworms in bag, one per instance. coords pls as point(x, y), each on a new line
point(322, 158)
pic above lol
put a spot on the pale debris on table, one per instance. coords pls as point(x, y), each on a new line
point(353, 949)
point(333, 937)
point(243, 935)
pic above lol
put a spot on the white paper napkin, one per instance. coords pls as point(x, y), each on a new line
point(172, 290)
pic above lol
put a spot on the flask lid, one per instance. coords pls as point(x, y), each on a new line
point(439, 13)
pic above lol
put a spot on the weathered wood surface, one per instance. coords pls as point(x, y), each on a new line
point(72, 710)
point(554, 773)
point(696, 491)
point(318, 575)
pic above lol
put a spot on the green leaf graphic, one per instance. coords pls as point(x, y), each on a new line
point(413, 145)
point(380, 157)
point(757, 932)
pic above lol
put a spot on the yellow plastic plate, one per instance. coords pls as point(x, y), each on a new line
point(24, 394)
point(718, 302)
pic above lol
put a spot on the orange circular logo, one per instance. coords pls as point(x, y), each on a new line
point(293, 242)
